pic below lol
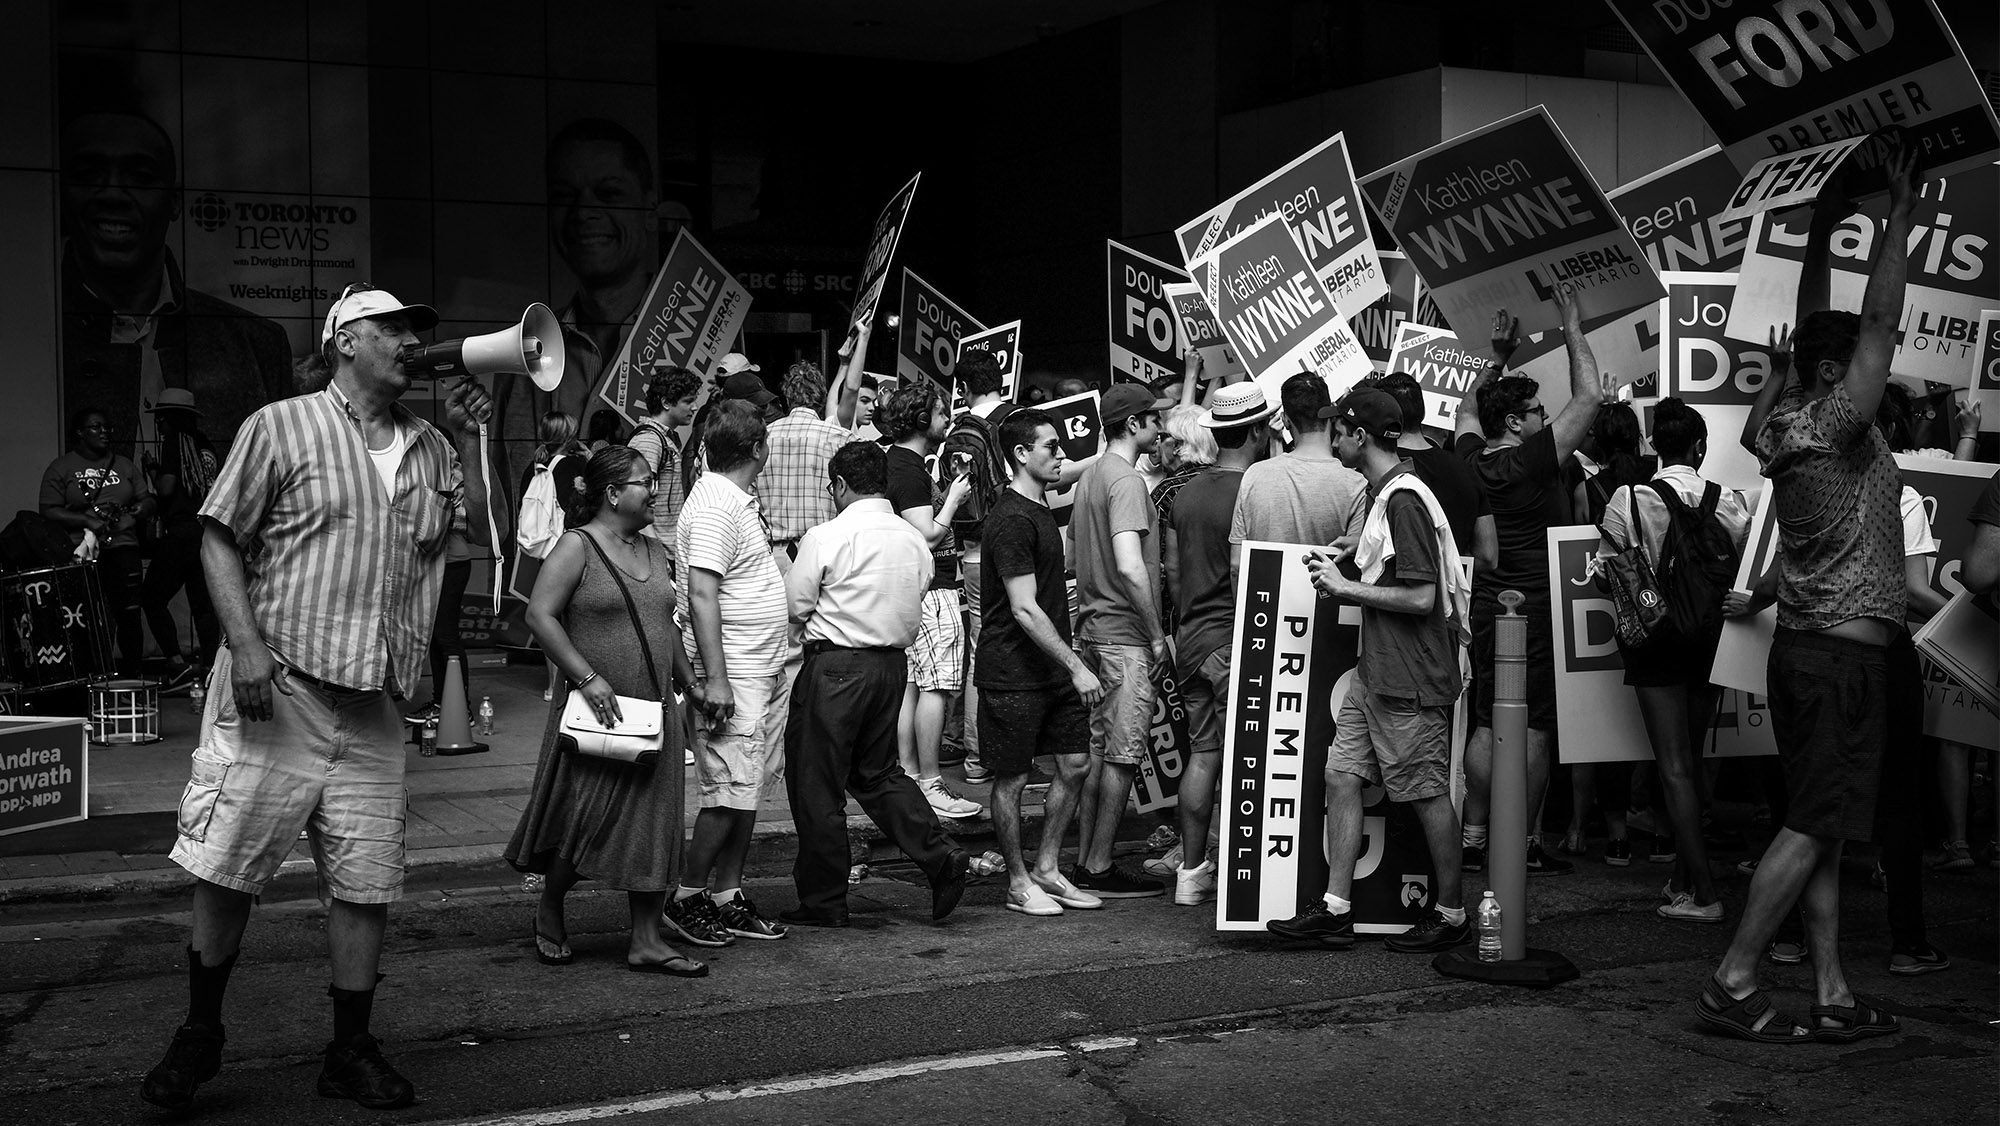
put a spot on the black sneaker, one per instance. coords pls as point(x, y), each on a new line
point(358, 1071)
point(739, 917)
point(1432, 935)
point(696, 921)
point(1472, 858)
point(1618, 853)
point(1316, 922)
point(1115, 883)
point(194, 1056)
point(423, 715)
point(1542, 864)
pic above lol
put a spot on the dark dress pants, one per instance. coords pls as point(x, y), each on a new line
point(446, 642)
point(841, 736)
point(1907, 763)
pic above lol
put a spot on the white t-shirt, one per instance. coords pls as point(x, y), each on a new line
point(1916, 525)
point(389, 460)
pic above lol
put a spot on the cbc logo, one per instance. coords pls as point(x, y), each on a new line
point(208, 211)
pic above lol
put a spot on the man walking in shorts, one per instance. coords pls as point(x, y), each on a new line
point(1394, 728)
point(1034, 690)
point(343, 499)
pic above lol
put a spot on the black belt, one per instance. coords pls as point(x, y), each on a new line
point(815, 648)
point(323, 685)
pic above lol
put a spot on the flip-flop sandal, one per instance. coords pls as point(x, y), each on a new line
point(1750, 1018)
point(1857, 1022)
point(679, 965)
point(549, 952)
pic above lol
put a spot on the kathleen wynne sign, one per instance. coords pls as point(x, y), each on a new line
point(1771, 76)
point(689, 319)
point(1316, 196)
point(1276, 313)
point(1505, 217)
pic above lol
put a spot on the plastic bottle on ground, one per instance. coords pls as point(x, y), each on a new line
point(1489, 928)
point(532, 884)
point(486, 715)
point(197, 698)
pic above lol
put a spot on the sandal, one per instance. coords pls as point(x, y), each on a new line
point(680, 965)
point(1750, 1018)
point(549, 952)
point(1573, 844)
point(1856, 1022)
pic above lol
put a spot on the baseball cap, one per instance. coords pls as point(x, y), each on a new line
point(357, 304)
point(732, 363)
point(1127, 399)
point(746, 386)
point(1236, 404)
point(1377, 412)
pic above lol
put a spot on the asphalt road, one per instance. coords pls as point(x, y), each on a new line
point(1138, 1014)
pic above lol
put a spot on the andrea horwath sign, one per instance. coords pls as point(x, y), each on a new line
point(1771, 76)
point(1505, 217)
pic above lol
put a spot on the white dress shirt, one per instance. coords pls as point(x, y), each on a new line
point(859, 579)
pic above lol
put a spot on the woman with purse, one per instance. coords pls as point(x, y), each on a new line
point(606, 802)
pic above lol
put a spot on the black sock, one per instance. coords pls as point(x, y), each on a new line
point(205, 987)
point(351, 1008)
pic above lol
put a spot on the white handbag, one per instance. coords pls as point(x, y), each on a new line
point(636, 738)
point(640, 732)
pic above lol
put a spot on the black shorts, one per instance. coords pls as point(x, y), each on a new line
point(1541, 663)
point(1830, 702)
point(1015, 726)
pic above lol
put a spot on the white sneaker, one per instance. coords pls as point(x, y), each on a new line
point(1194, 886)
point(1164, 865)
point(945, 802)
point(1034, 901)
point(1683, 908)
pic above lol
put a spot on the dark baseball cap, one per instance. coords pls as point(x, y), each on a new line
point(747, 386)
point(1377, 412)
point(1127, 399)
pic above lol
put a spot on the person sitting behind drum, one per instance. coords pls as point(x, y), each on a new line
point(93, 490)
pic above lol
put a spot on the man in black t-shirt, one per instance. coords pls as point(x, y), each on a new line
point(1034, 691)
point(1519, 460)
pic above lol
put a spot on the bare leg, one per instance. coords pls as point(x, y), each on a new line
point(736, 850)
point(1781, 876)
point(1114, 785)
point(1197, 806)
point(1820, 904)
point(1006, 809)
point(648, 943)
point(906, 733)
point(1343, 831)
point(1669, 713)
point(354, 942)
point(1440, 824)
point(1086, 809)
point(1479, 775)
point(712, 829)
point(1064, 794)
point(549, 913)
point(928, 729)
point(1582, 791)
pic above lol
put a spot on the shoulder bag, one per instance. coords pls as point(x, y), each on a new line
point(638, 735)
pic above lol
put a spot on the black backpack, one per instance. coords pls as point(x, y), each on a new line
point(974, 442)
point(1697, 564)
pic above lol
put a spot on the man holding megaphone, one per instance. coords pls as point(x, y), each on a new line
point(323, 541)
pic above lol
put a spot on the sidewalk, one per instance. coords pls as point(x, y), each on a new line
point(462, 811)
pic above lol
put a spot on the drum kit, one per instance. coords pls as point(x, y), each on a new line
point(58, 635)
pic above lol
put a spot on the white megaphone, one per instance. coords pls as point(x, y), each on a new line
point(533, 348)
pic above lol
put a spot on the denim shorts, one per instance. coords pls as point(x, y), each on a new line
point(329, 761)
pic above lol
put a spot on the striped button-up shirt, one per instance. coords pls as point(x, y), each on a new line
point(343, 576)
point(793, 481)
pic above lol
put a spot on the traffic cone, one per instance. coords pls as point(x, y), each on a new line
point(454, 727)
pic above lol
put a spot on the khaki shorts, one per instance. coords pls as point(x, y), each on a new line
point(733, 765)
point(1394, 742)
point(1206, 694)
point(329, 762)
point(1121, 722)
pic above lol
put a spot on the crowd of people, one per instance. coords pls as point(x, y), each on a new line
point(842, 587)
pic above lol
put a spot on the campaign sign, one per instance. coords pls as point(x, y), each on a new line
point(689, 319)
point(1740, 657)
point(1080, 428)
point(1274, 310)
point(1954, 273)
point(1375, 324)
point(1772, 76)
point(881, 249)
point(931, 327)
point(44, 772)
point(1626, 347)
point(1003, 342)
point(1962, 642)
point(1672, 213)
point(1316, 197)
point(1294, 660)
point(1445, 370)
point(1157, 783)
point(1201, 332)
point(1986, 371)
point(1789, 179)
point(1591, 693)
point(1505, 217)
point(1144, 343)
point(1716, 374)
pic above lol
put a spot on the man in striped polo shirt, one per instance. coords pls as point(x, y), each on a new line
point(323, 541)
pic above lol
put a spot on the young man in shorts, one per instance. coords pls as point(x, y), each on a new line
point(1035, 692)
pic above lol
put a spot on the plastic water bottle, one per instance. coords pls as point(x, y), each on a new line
point(429, 744)
point(197, 697)
point(486, 715)
point(1489, 929)
point(991, 864)
point(532, 884)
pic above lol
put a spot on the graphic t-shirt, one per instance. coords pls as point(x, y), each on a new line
point(112, 484)
point(1525, 490)
point(1021, 538)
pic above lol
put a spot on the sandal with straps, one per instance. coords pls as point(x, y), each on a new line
point(1750, 1018)
point(549, 952)
point(1855, 1022)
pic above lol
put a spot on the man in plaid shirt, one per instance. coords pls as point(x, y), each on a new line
point(793, 484)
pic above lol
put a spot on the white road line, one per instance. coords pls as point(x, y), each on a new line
point(651, 1103)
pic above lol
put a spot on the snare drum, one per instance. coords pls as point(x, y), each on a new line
point(57, 631)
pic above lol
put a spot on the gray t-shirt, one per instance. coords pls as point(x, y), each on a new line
point(1111, 498)
point(1295, 498)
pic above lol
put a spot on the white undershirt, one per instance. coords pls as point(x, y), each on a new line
point(387, 461)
